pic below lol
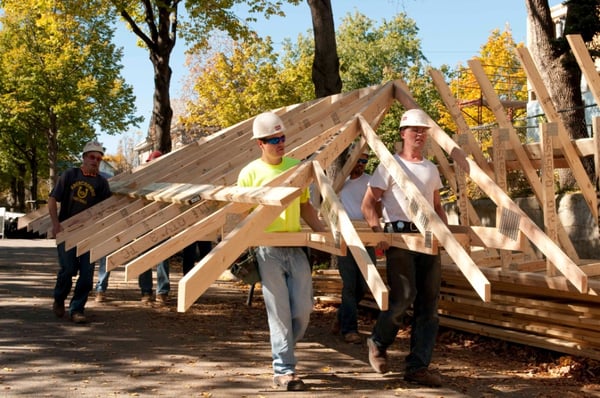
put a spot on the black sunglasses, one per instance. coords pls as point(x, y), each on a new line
point(274, 140)
point(363, 161)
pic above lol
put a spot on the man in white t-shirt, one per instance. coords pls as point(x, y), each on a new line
point(414, 278)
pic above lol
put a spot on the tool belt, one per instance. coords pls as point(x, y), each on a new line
point(401, 226)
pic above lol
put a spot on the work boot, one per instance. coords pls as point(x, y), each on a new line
point(377, 357)
point(352, 338)
point(424, 377)
point(290, 382)
point(78, 317)
point(146, 298)
point(58, 308)
point(335, 326)
point(100, 297)
point(162, 298)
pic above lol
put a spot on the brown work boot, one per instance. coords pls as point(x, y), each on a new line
point(78, 317)
point(146, 298)
point(290, 382)
point(353, 338)
point(162, 298)
point(377, 357)
point(58, 308)
point(335, 326)
point(424, 377)
point(100, 297)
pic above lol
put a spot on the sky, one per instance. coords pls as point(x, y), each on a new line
point(451, 32)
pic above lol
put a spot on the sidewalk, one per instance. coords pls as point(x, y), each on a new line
point(218, 348)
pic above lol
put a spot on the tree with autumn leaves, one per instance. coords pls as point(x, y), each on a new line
point(241, 80)
point(59, 81)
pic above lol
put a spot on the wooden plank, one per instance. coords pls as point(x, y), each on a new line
point(25, 221)
point(565, 265)
point(117, 240)
point(596, 132)
point(583, 147)
point(410, 241)
point(499, 139)
point(547, 105)
point(317, 240)
point(534, 283)
point(91, 215)
point(528, 170)
point(192, 193)
point(100, 236)
point(520, 337)
point(487, 237)
point(592, 269)
point(426, 217)
point(72, 238)
point(339, 223)
point(511, 322)
point(184, 238)
point(172, 227)
point(584, 315)
point(548, 132)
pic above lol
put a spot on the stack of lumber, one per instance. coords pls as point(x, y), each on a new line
point(526, 309)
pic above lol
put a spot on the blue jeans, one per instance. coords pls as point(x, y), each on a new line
point(162, 283)
point(193, 253)
point(414, 278)
point(70, 265)
point(354, 288)
point(103, 276)
point(287, 290)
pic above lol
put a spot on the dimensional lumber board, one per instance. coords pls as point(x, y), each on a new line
point(549, 132)
point(72, 238)
point(97, 237)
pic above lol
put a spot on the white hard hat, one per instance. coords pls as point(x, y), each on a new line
point(414, 118)
point(93, 146)
point(267, 124)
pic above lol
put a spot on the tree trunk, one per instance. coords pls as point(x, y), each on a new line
point(160, 44)
point(555, 63)
point(162, 113)
point(326, 68)
point(52, 138)
point(326, 65)
point(20, 188)
point(33, 166)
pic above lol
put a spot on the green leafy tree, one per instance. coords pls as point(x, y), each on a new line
point(503, 68)
point(157, 24)
point(372, 53)
point(234, 86)
point(60, 80)
point(369, 54)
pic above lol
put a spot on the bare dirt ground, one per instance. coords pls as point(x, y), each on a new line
point(220, 348)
